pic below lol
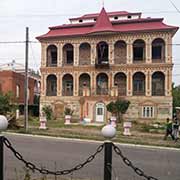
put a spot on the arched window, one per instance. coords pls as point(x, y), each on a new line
point(85, 54)
point(158, 84)
point(158, 50)
point(139, 84)
point(68, 85)
point(120, 52)
point(102, 84)
point(102, 53)
point(51, 56)
point(120, 82)
point(51, 85)
point(138, 51)
point(68, 54)
point(84, 82)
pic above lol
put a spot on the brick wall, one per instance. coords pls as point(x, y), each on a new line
point(8, 82)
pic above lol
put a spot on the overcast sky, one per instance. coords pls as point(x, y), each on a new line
point(38, 15)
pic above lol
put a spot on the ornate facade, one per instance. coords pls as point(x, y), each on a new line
point(101, 57)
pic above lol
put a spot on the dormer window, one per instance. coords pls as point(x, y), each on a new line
point(115, 17)
point(80, 20)
point(129, 17)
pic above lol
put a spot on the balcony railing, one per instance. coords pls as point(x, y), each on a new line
point(102, 63)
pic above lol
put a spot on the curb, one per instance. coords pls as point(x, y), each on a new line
point(93, 141)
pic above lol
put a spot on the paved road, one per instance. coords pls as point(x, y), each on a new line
point(64, 154)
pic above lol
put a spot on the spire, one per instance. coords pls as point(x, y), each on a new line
point(103, 23)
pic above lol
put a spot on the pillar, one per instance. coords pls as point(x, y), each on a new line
point(93, 53)
point(148, 51)
point(168, 50)
point(43, 54)
point(76, 84)
point(60, 55)
point(111, 53)
point(129, 52)
point(76, 54)
point(148, 83)
point(129, 83)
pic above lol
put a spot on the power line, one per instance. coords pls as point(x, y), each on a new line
point(174, 6)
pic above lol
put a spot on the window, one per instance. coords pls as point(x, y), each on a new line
point(148, 112)
point(80, 20)
point(138, 53)
point(115, 17)
point(69, 57)
point(129, 17)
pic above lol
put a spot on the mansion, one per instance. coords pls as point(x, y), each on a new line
point(98, 58)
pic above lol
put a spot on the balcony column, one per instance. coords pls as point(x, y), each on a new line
point(148, 51)
point(43, 84)
point(168, 50)
point(129, 83)
point(168, 82)
point(129, 52)
point(93, 83)
point(93, 53)
point(148, 83)
point(43, 54)
point(59, 84)
point(76, 54)
point(111, 53)
point(60, 55)
point(75, 82)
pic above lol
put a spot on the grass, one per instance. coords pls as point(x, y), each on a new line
point(142, 133)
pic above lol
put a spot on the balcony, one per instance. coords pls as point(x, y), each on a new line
point(102, 63)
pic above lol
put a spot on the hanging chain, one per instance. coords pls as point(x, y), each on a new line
point(130, 164)
point(33, 167)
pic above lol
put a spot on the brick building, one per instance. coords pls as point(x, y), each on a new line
point(12, 80)
point(100, 57)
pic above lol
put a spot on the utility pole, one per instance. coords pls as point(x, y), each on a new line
point(26, 81)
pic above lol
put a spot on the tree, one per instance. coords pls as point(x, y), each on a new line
point(176, 96)
point(6, 103)
point(118, 108)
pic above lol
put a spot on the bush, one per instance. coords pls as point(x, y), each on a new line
point(68, 111)
point(47, 109)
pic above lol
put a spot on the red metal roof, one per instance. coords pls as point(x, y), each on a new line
point(110, 14)
point(103, 24)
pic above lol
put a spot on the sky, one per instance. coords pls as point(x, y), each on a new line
point(38, 15)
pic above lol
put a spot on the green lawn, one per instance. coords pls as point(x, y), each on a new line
point(141, 133)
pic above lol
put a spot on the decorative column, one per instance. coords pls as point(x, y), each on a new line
point(129, 51)
point(59, 84)
point(43, 84)
point(93, 83)
point(168, 50)
point(148, 83)
point(129, 83)
point(93, 53)
point(75, 82)
point(43, 54)
point(111, 53)
point(168, 84)
point(76, 54)
point(60, 54)
point(148, 50)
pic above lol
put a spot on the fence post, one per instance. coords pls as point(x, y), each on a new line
point(107, 160)
point(1, 158)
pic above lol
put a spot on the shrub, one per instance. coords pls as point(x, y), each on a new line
point(68, 111)
point(47, 109)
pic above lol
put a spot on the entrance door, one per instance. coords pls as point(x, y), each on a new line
point(100, 111)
